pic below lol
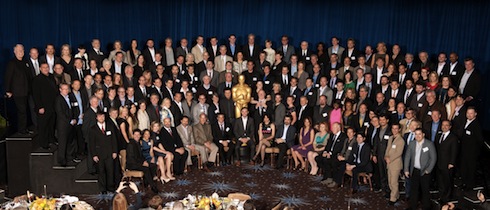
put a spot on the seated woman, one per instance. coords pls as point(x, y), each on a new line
point(267, 131)
point(147, 150)
point(306, 137)
point(319, 144)
point(164, 158)
point(136, 161)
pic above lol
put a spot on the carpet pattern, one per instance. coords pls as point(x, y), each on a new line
point(267, 187)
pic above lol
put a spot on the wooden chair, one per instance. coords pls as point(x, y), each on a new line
point(365, 175)
point(199, 161)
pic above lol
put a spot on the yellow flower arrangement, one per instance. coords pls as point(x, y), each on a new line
point(43, 204)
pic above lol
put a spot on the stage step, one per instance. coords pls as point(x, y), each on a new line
point(87, 178)
point(2, 195)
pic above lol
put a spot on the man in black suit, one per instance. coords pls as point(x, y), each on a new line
point(293, 90)
point(351, 52)
point(285, 135)
point(182, 50)
point(379, 151)
point(425, 62)
point(136, 161)
point(17, 81)
point(447, 152)
point(251, 50)
point(149, 52)
point(95, 53)
point(65, 120)
point(44, 92)
point(394, 91)
point(304, 111)
point(360, 121)
point(174, 144)
point(286, 49)
point(79, 104)
point(103, 152)
point(227, 106)
point(433, 127)
point(153, 108)
point(78, 72)
point(284, 78)
point(141, 92)
point(454, 69)
point(176, 108)
point(408, 92)
point(213, 49)
point(410, 64)
point(231, 47)
point(304, 54)
point(310, 92)
point(118, 66)
point(328, 161)
point(50, 58)
point(244, 130)
point(470, 82)
point(471, 144)
point(359, 160)
point(223, 138)
point(89, 120)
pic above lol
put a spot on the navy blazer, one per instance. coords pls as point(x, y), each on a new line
point(290, 134)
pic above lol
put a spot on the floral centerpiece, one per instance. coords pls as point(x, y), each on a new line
point(43, 204)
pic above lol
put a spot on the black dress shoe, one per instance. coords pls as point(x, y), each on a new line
point(391, 203)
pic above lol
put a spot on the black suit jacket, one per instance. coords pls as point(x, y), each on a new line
point(92, 55)
point(152, 113)
point(138, 93)
point(306, 59)
point(170, 142)
point(17, 77)
point(44, 91)
point(290, 134)
point(113, 69)
point(307, 112)
point(226, 134)
point(335, 147)
point(473, 85)
point(321, 114)
point(89, 120)
point(427, 127)
point(447, 151)
point(147, 55)
point(227, 107)
point(64, 113)
point(237, 49)
point(103, 144)
point(44, 59)
point(134, 157)
point(471, 141)
point(178, 115)
point(241, 132)
point(353, 57)
point(254, 56)
point(311, 95)
point(212, 55)
point(413, 67)
point(365, 157)
point(75, 76)
point(129, 81)
point(358, 127)
point(456, 76)
point(180, 51)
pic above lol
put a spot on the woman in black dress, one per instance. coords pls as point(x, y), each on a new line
point(164, 157)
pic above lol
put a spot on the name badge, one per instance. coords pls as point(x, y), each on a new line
point(227, 129)
point(453, 73)
point(420, 105)
point(149, 143)
point(194, 90)
point(468, 132)
point(177, 80)
point(269, 129)
point(267, 82)
point(147, 95)
point(386, 137)
point(182, 72)
point(335, 85)
point(210, 92)
point(105, 109)
point(136, 103)
point(393, 112)
point(425, 149)
point(216, 111)
point(393, 146)
point(349, 148)
point(366, 124)
point(456, 114)
point(158, 137)
point(195, 79)
point(74, 104)
point(254, 79)
point(317, 85)
point(439, 132)
point(429, 113)
point(310, 93)
point(308, 58)
point(324, 114)
point(353, 57)
point(108, 133)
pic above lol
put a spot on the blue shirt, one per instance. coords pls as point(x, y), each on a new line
point(435, 126)
point(78, 96)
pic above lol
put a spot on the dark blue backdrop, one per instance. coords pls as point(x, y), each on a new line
point(417, 25)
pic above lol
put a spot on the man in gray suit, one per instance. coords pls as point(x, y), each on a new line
point(286, 49)
point(197, 109)
point(279, 110)
point(186, 134)
point(420, 159)
point(284, 139)
point(324, 90)
point(335, 48)
point(213, 74)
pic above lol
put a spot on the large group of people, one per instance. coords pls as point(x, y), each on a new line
point(333, 110)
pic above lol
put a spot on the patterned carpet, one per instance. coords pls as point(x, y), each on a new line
point(267, 187)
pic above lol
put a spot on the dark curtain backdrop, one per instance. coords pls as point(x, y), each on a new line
point(416, 25)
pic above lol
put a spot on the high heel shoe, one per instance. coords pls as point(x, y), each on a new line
point(262, 164)
point(170, 177)
point(164, 179)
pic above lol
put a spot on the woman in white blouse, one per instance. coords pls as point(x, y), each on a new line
point(270, 56)
point(143, 118)
point(240, 65)
point(165, 112)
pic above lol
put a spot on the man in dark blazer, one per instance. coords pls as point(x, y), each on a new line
point(454, 69)
point(447, 154)
point(310, 92)
point(153, 108)
point(351, 52)
point(293, 90)
point(251, 50)
point(304, 111)
point(419, 170)
point(304, 54)
point(149, 52)
point(136, 161)
point(433, 127)
point(227, 106)
point(44, 92)
point(141, 92)
point(89, 120)
point(284, 77)
point(379, 151)
point(213, 48)
point(471, 144)
point(411, 64)
point(470, 82)
point(182, 50)
point(286, 49)
point(231, 47)
point(328, 161)
point(176, 108)
point(360, 121)
point(244, 130)
point(359, 161)
point(223, 138)
point(174, 144)
point(285, 135)
point(95, 53)
point(65, 122)
point(50, 56)
point(103, 152)
point(17, 82)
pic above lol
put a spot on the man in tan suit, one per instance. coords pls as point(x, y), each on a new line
point(185, 132)
point(198, 49)
point(394, 162)
point(220, 61)
point(203, 136)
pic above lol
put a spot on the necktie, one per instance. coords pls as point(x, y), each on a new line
point(406, 96)
point(36, 67)
point(301, 112)
point(170, 132)
point(333, 143)
point(441, 139)
point(359, 154)
point(103, 130)
point(361, 121)
point(410, 137)
point(143, 90)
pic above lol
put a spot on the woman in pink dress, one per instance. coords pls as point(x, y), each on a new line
point(336, 114)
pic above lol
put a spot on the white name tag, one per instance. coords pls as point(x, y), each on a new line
point(210, 92)
point(386, 137)
point(216, 111)
point(308, 58)
point(393, 146)
point(269, 129)
point(349, 148)
point(254, 79)
point(429, 113)
point(182, 72)
point(425, 149)
point(420, 105)
point(393, 112)
point(177, 80)
point(108, 133)
point(366, 124)
point(325, 114)
point(317, 85)
point(194, 90)
point(149, 143)
point(195, 79)
point(75, 104)
point(353, 57)
point(105, 109)
point(468, 132)
point(227, 129)
point(453, 73)
point(158, 137)
point(136, 103)
point(267, 82)
point(310, 93)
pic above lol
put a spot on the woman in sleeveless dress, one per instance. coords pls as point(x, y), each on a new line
point(164, 158)
point(267, 131)
point(306, 138)
point(319, 144)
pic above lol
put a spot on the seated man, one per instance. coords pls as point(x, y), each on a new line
point(244, 131)
point(223, 137)
point(328, 160)
point(171, 142)
point(344, 155)
point(359, 161)
point(204, 137)
point(187, 135)
point(284, 139)
point(136, 161)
